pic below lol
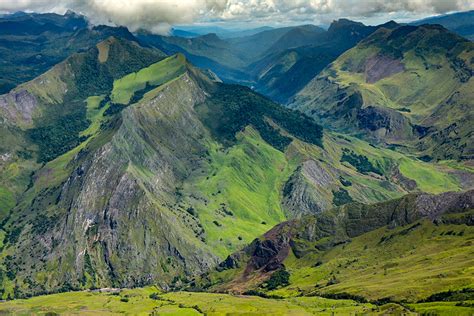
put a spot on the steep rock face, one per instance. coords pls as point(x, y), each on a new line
point(267, 254)
point(25, 104)
point(384, 123)
point(378, 122)
point(355, 219)
point(306, 191)
point(116, 226)
point(434, 206)
point(299, 197)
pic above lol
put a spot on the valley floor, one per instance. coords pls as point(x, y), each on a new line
point(150, 300)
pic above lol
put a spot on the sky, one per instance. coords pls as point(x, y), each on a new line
point(158, 15)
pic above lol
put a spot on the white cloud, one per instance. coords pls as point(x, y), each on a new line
point(157, 15)
point(329, 9)
point(29, 5)
point(150, 14)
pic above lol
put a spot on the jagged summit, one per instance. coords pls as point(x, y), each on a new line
point(390, 24)
point(344, 23)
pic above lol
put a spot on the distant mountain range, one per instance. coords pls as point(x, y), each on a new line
point(195, 31)
point(271, 61)
point(277, 71)
point(461, 23)
point(280, 62)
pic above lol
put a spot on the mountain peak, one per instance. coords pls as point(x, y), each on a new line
point(390, 25)
point(310, 27)
point(343, 23)
point(433, 35)
point(210, 37)
point(71, 13)
point(438, 27)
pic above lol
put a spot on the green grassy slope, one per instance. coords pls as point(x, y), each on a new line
point(410, 86)
point(390, 251)
point(429, 177)
point(154, 75)
point(240, 193)
point(417, 261)
point(151, 300)
point(327, 174)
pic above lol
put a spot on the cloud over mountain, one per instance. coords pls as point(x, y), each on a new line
point(154, 15)
point(322, 10)
point(157, 15)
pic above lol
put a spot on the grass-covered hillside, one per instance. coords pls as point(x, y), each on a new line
point(410, 86)
point(151, 300)
point(414, 249)
point(408, 256)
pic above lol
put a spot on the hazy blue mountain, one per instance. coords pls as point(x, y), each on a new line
point(461, 23)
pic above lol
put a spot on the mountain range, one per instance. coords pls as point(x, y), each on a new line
point(294, 164)
point(460, 23)
point(33, 43)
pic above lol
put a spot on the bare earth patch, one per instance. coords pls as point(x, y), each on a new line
point(379, 67)
point(103, 48)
